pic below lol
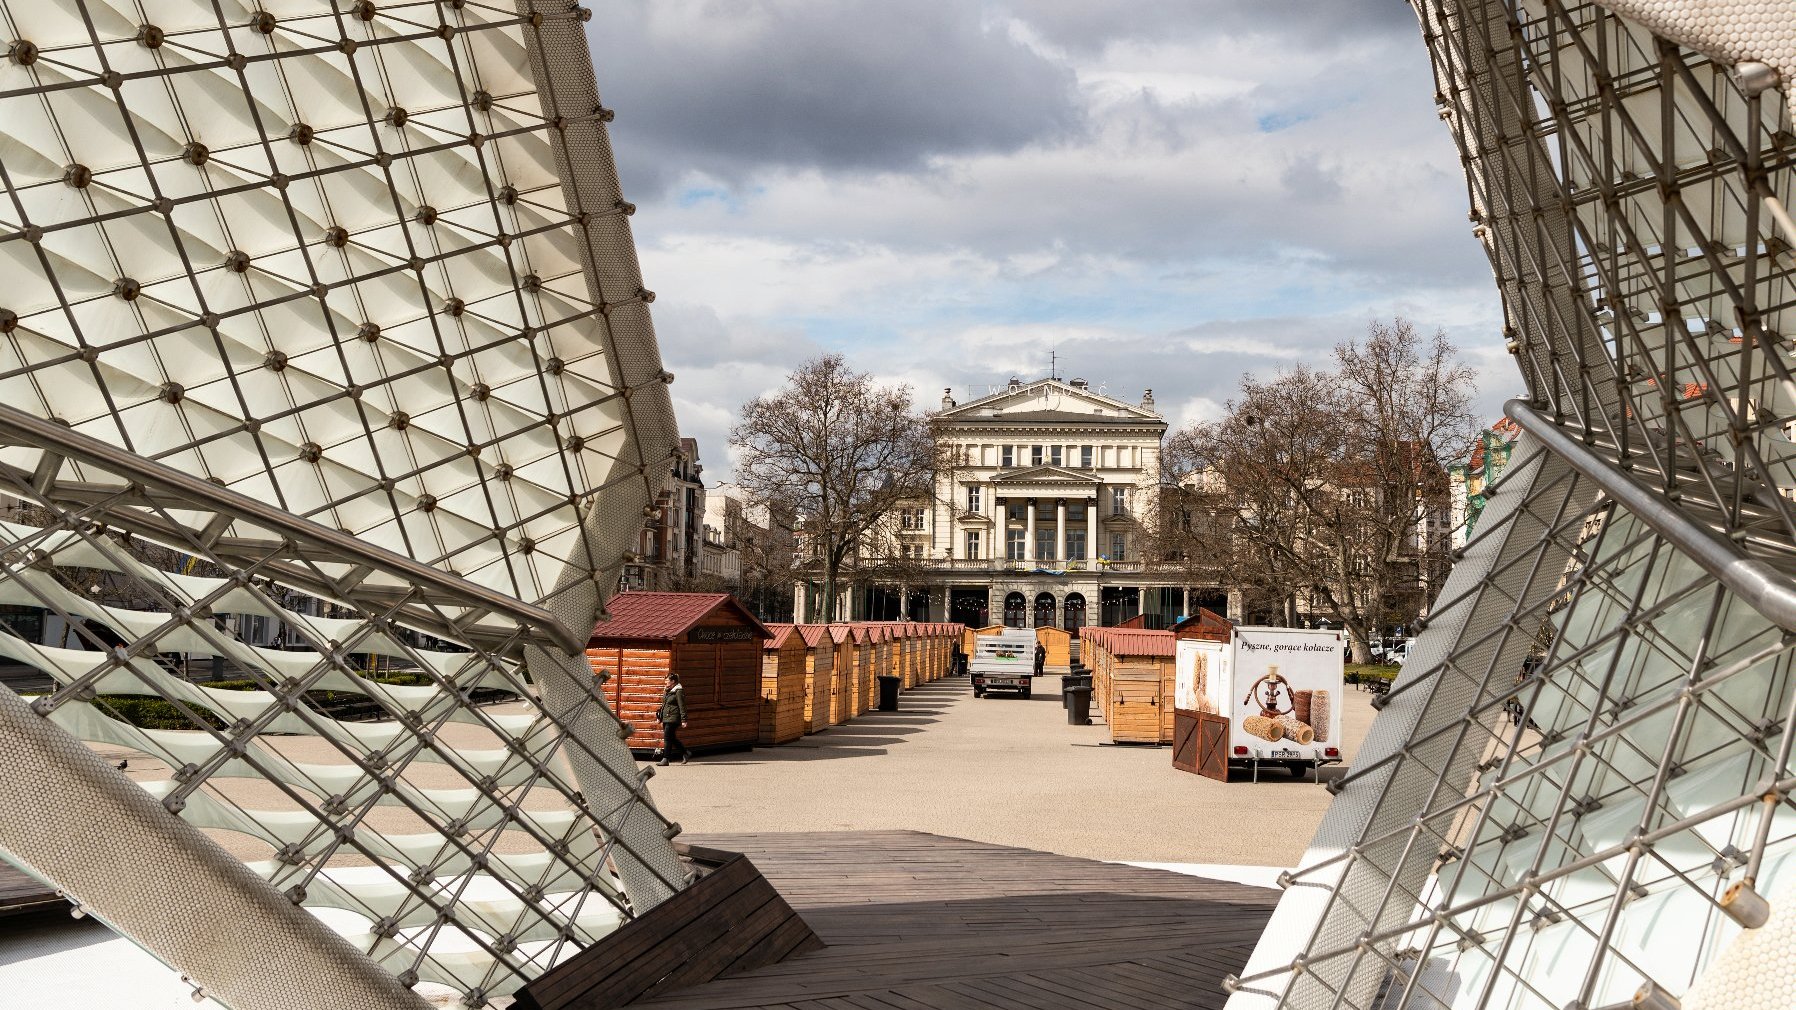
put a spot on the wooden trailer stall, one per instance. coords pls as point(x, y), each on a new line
point(709, 639)
point(782, 685)
point(1200, 735)
point(819, 672)
point(1132, 681)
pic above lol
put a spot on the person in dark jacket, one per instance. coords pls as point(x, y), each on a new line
point(959, 660)
point(1041, 658)
point(673, 719)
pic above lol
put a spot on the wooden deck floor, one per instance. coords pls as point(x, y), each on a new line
point(921, 922)
point(20, 892)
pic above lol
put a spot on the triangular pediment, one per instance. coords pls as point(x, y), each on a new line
point(1044, 475)
point(1049, 400)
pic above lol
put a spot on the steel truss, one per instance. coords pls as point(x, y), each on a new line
point(322, 317)
point(1577, 795)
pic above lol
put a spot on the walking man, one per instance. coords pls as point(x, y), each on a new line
point(1041, 658)
point(673, 719)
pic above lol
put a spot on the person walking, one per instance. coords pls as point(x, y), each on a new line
point(959, 659)
point(673, 719)
point(1041, 658)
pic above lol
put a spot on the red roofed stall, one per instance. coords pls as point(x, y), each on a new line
point(782, 685)
point(1131, 681)
point(819, 675)
point(709, 639)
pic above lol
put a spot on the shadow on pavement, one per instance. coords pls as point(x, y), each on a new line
point(869, 734)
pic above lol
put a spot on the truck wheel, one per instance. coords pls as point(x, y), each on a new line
point(1025, 694)
point(978, 693)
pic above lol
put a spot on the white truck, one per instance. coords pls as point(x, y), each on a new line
point(1279, 690)
point(1003, 662)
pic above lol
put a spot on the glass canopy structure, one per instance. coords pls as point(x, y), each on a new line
point(1577, 794)
point(329, 403)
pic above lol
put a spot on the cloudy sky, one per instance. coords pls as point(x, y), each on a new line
point(1166, 193)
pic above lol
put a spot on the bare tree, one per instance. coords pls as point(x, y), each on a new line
point(1182, 529)
point(1329, 477)
point(765, 555)
point(831, 454)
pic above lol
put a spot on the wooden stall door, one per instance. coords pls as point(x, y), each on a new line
point(1184, 740)
point(1213, 746)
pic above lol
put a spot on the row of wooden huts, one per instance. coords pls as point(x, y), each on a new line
point(1132, 674)
point(749, 683)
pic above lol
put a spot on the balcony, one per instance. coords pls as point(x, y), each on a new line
point(1001, 565)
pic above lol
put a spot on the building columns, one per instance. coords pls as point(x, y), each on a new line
point(1060, 531)
point(1091, 529)
point(1029, 534)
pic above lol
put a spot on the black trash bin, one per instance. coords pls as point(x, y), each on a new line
point(1066, 682)
point(1077, 699)
point(888, 693)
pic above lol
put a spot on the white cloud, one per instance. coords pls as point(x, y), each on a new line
point(1188, 192)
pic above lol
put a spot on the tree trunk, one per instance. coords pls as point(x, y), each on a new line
point(1356, 637)
point(829, 593)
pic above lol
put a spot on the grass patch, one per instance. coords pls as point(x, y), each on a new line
point(1372, 671)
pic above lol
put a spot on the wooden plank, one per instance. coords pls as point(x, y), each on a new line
point(728, 917)
point(21, 892)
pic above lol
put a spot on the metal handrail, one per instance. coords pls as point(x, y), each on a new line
point(19, 427)
point(1769, 591)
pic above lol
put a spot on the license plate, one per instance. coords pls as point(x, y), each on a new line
point(1284, 752)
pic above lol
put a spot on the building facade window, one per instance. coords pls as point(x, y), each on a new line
point(973, 502)
point(1035, 455)
point(1118, 545)
point(1075, 545)
point(972, 545)
point(1017, 511)
point(1007, 457)
point(1119, 501)
point(1054, 456)
point(1013, 545)
point(1084, 461)
point(1044, 543)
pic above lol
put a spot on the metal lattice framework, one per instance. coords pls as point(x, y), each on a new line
point(1577, 794)
point(321, 316)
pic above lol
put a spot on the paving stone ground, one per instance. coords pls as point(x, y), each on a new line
point(1006, 771)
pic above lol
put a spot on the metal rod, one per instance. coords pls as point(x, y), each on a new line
point(1770, 592)
point(22, 428)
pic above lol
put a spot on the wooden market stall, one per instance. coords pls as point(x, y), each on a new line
point(819, 675)
point(782, 685)
point(1132, 681)
point(842, 672)
point(970, 635)
point(1059, 645)
point(709, 639)
point(866, 662)
point(938, 650)
point(1199, 733)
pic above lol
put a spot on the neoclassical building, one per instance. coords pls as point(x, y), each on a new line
point(1036, 515)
